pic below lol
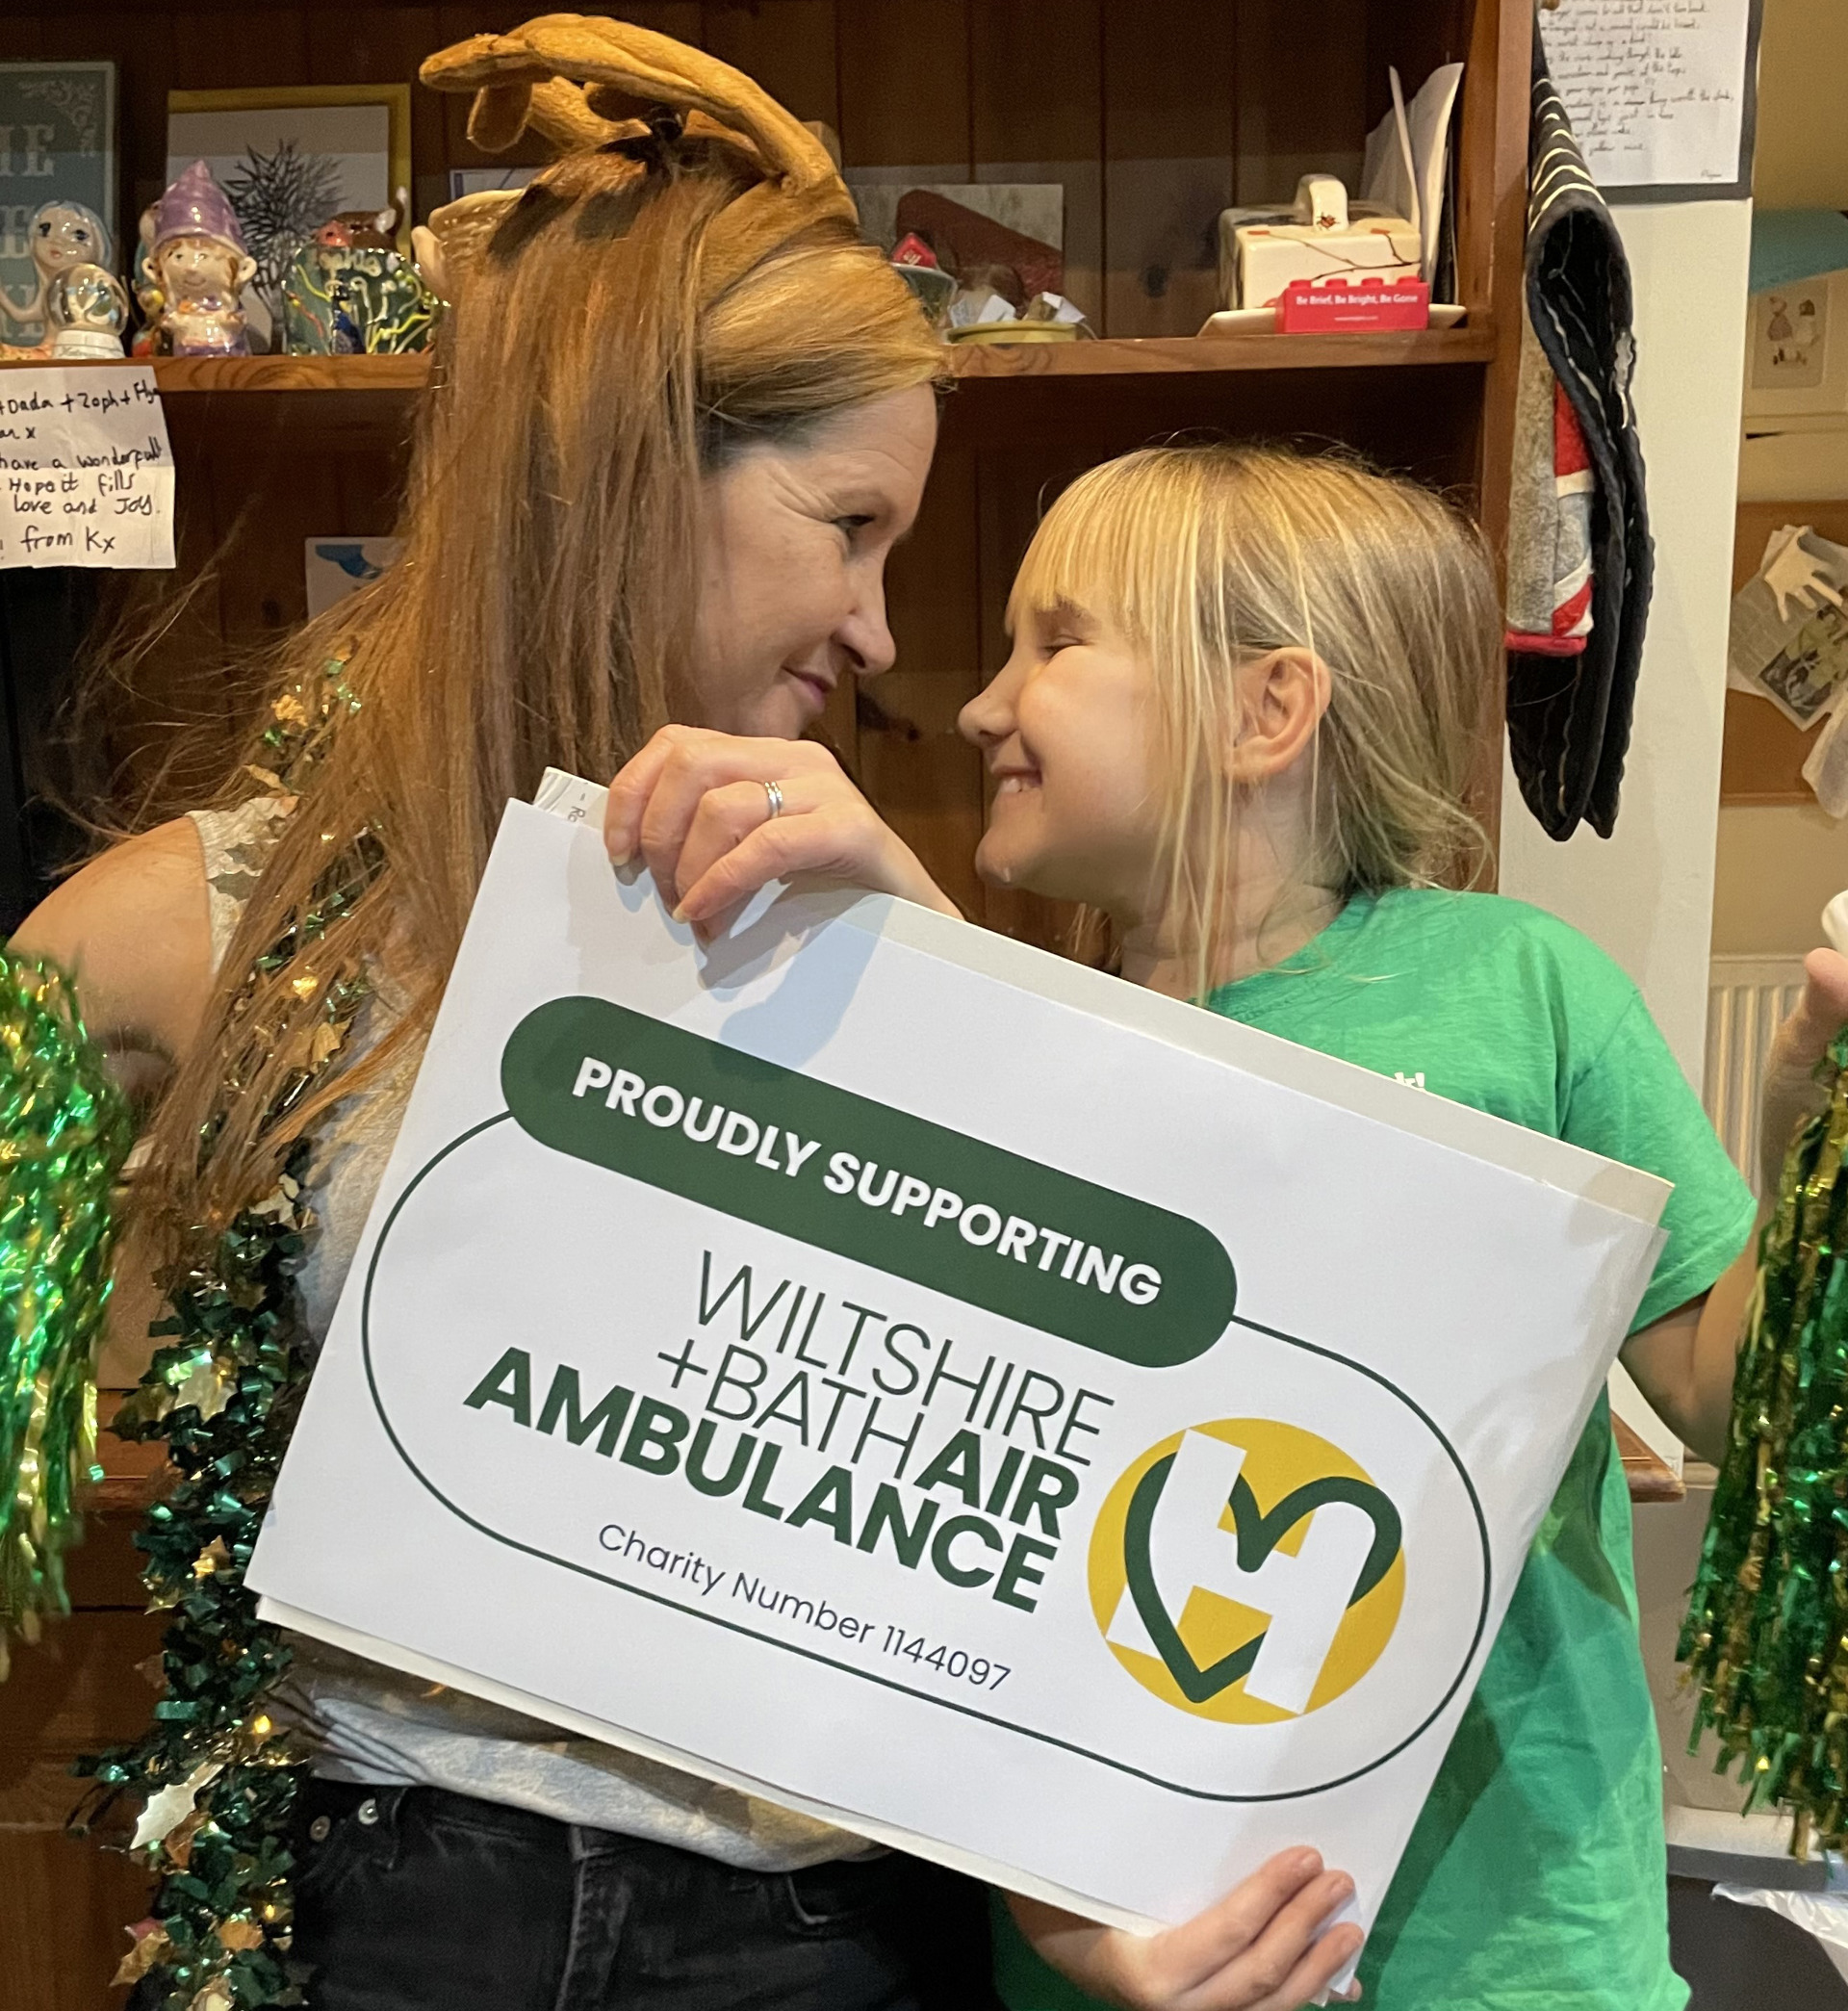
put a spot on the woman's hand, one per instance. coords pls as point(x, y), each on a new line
point(698, 809)
point(1253, 1950)
point(1791, 1092)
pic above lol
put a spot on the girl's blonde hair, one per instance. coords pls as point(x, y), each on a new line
point(1204, 557)
point(647, 309)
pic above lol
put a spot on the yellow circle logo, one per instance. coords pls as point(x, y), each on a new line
point(1246, 1571)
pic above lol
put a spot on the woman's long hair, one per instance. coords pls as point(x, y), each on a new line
point(643, 309)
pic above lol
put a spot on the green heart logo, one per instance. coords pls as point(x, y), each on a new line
point(1257, 1535)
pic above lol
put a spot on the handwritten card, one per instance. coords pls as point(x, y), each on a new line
point(1660, 91)
point(85, 469)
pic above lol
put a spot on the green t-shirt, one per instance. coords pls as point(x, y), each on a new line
point(1536, 1878)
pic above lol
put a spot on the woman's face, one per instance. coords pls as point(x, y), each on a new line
point(794, 544)
point(1067, 731)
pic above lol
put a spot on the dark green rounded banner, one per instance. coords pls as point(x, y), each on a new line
point(771, 1145)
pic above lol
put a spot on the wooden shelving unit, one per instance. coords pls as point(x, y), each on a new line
point(1153, 114)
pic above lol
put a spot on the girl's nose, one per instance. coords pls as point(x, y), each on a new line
point(987, 718)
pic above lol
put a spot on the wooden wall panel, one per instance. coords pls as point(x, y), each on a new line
point(217, 51)
point(788, 47)
point(905, 85)
point(78, 1689)
point(1302, 100)
point(1037, 109)
point(58, 1891)
point(384, 46)
point(925, 778)
point(1170, 77)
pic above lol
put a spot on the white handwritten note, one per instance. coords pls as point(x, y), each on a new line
point(1657, 88)
point(86, 470)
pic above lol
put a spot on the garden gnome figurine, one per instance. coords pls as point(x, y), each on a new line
point(199, 262)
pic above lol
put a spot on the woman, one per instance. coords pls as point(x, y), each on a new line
point(680, 416)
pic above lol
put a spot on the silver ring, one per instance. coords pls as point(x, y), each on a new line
point(774, 790)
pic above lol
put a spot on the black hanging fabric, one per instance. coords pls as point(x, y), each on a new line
point(1569, 717)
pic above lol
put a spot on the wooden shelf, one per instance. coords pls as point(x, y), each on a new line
point(187, 376)
point(1195, 354)
point(1008, 395)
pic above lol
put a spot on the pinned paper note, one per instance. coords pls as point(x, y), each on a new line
point(1661, 92)
point(85, 469)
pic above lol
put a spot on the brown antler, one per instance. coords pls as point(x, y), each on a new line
point(559, 72)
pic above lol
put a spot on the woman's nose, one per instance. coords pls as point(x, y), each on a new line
point(867, 638)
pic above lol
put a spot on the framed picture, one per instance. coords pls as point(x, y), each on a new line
point(290, 157)
point(57, 143)
point(336, 566)
point(473, 181)
point(1796, 356)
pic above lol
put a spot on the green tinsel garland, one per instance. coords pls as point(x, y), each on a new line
point(64, 1132)
point(216, 1775)
point(1766, 1636)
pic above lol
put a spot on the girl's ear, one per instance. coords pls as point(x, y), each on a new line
point(1282, 697)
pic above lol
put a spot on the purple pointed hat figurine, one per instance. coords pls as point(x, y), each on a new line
point(195, 206)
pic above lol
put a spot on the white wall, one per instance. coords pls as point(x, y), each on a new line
point(1646, 895)
point(1778, 867)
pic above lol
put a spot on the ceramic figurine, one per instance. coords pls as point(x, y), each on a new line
point(198, 263)
point(145, 287)
point(355, 298)
point(86, 312)
point(62, 235)
point(364, 230)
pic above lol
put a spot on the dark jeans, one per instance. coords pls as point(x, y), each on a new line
point(412, 1900)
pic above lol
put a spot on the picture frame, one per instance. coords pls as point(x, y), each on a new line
point(1796, 356)
point(58, 119)
point(290, 156)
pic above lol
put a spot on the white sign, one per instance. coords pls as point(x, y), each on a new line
point(899, 1373)
point(86, 471)
point(1660, 91)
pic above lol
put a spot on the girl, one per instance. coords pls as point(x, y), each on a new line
point(1237, 724)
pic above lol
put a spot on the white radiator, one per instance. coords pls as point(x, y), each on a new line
point(1746, 997)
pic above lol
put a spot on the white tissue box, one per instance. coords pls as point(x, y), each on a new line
point(1257, 261)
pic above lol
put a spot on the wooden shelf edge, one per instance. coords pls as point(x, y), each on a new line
point(1176, 356)
point(1173, 354)
point(215, 376)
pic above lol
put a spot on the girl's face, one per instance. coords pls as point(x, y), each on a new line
point(1068, 731)
point(794, 545)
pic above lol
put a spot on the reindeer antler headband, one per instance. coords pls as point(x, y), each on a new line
point(573, 77)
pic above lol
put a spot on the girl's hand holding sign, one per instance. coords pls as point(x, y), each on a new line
point(1256, 1950)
